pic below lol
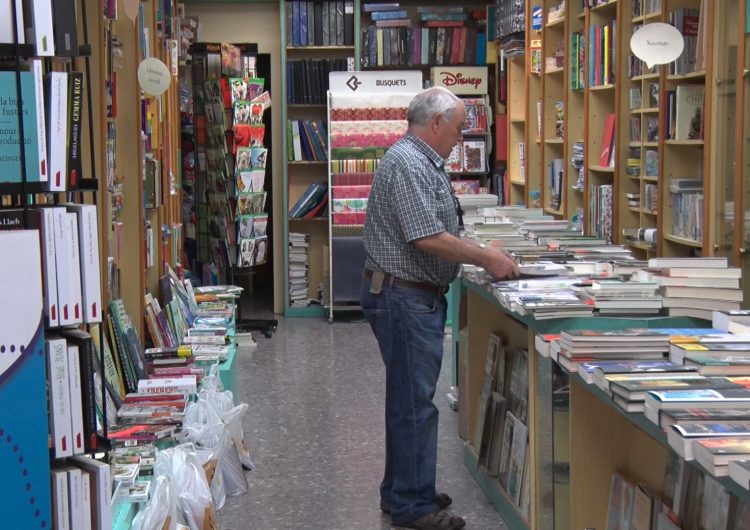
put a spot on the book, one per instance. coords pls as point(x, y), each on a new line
point(635, 390)
point(708, 398)
point(60, 413)
point(65, 28)
point(10, 152)
point(681, 437)
point(717, 366)
point(692, 263)
point(715, 453)
point(89, 271)
point(620, 507)
point(100, 489)
point(739, 471)
point(56, 112)
point(75, 113)
point(60, 500)
point(606, 154)
point(688, 112)
point(697, 416)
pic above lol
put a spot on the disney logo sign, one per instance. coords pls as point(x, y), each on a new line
point(458, 78)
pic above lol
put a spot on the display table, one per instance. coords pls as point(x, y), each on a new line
point(575, 444)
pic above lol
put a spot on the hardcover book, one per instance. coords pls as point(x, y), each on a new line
point(24, 460)
point(10, 152)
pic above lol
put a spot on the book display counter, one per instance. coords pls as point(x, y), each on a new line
point(578, 439)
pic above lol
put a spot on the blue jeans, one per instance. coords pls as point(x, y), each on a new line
point(409, 325)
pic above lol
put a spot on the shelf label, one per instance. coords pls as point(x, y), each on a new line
point(375, 82)
point(462, 80)
point(657, 43)
point(153, 76)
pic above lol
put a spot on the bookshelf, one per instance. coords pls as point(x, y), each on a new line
point(299, 175)
point(516, 105)
point(534, 58)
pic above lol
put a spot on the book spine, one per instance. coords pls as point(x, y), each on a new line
point(41, 132)
point(88, 244)
point(57, 129)
point(87, 354)
point(75, 99)
point(65, 30)
point(47, 235)
point(75, 394)
point(59, 396)
point(60, 503)
point(75, 266)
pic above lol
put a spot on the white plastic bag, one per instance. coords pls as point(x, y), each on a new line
point(159, 513)
point(233, 420)
point(193, 494)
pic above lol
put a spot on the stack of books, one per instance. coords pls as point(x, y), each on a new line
point(578, 346)
point(299, 295)
point(694, 287)
point(619, 297)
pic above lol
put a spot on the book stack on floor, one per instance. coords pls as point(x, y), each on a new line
point(299, 290)
point(695, 287)
point(501, 436)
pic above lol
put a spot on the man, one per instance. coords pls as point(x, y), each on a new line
point(413, 254)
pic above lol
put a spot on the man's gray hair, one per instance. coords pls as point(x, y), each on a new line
point(431, 101)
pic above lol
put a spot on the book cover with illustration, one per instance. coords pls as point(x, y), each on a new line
point(10, 152)
point(24, 455)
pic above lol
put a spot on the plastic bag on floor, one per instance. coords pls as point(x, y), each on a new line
point(233, 420)
point(193, 493)
point(203, 426)
point(160, 512)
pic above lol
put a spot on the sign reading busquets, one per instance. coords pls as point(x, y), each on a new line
point(462, 80)
point(375, 82)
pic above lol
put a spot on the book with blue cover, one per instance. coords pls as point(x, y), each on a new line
point(10, 151)
point(24, 453)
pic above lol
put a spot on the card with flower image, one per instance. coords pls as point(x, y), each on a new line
point(255, 87)
point(136, 492)
point(264, 98)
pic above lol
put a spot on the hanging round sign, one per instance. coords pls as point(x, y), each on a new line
point(153, 76)
point(130, 7)
point(657, 43)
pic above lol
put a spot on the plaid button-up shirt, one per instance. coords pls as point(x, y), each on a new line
point(411, 198)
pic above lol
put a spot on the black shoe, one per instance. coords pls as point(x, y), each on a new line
point(442, 500)
point(435, 521)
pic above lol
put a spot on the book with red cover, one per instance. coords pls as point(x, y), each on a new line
point(608, 136)
point(501, 137)
point(318, 208)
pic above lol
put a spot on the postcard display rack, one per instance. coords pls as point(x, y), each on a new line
point(366, 115)
point(46, 100)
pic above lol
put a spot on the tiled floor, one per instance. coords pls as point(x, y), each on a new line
point(315, 428)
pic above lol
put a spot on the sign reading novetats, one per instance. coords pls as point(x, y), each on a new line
point(380, 82)
point(462, 80)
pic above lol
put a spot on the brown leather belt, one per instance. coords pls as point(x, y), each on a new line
point(422, 286)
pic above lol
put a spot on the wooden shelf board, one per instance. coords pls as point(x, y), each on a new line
point(683, 241)
point(553, 71)
point(600, 88)
point(581, 15)
point(692, 75)
point(518, 182)
point(655, 14)
point(684, 142)
point(601, 169)
point(308, 220)
point(642, 245)
point(306, 106)
point(319, 48)
point(649, 110)
point(556, 22)
point(634, 144)
point(650, 144)
point(638, 19)
point(650, 212)
point(306, 162)
point(650, 178)
point(643, 77)
point(552, 211)
point(635, 210)
point(518, 120)
point(578, 190)
point(553, 141)
point(603, 7)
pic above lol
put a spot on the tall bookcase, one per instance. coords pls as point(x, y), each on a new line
point(299, 175)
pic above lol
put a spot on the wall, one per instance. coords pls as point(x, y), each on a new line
point(255, 22)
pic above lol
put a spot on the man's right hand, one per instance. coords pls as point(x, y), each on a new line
point(500, 265)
